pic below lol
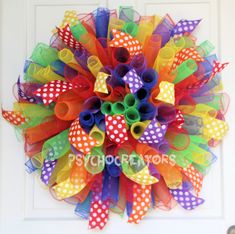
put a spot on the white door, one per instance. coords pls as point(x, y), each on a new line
point(26, 206)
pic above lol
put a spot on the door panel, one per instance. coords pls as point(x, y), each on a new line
point(26, 205)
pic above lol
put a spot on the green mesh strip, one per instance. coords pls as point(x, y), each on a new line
point(56, 146)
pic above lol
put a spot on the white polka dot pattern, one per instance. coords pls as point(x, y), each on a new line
point(116, 128)
point(142, 177)
point(217, 67)
point(167, 92)
point(133, 80)
point(51, 91)
point(141, 202)
point(121, 39)
point(185, 26)
point(80, 139)
point(67, 37)
point(194, 177)
point(77, 180)
point(100, 83)
point(154, 133)
point(214, 128)
point(186, 54)
point(47, 169)
point(185, 199)
point(13, 117)
point(99, 209)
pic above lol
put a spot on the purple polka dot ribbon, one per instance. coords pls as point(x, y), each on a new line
point(154, 133)
point(133, 80)
point(47, 169)
point(185, 26)
point(186, 199)
point(24, 96)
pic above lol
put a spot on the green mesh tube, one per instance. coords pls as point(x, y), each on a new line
point(44, 54)
point(118, 108)
point(78, 30)
point(133, 164)
point(34, 113)
point(205, 48)
point(106, 108)
point(130, 101)
point(184, 70)
point(56, 146)
point(126, 13)
point(179, 157)
point(193, 154)
point(130, 28)
point(95, 161)
point(132, 115)
point(216, 102)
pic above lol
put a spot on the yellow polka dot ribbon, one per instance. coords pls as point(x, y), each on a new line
point(78, 180)
point(142, 176)
point(70, 17)
point(214, 128)
point(167, 92)
point(100, 83)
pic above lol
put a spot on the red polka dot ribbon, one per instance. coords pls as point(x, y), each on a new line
point(185, 54)
point(217, 67)
point(116, 128)
point(141, 202)
point(80, 139)
point(99, 209)
point(179, 120)
point(121, 39)
point(13, 117)
point(67, 37)
point(52, 90)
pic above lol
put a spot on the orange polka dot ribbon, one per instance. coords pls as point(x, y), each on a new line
point(99, 209)
point(167, 92)
point(100, 83)
point(67, 37)
point(116, 128)
point(13, 117)
point(184, 55)
point(194, 177)
point(141, 202)
point(121, 39)
point(52, 90)
point(79, 139)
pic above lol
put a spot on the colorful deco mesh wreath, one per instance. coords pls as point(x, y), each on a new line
point(119, 113)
